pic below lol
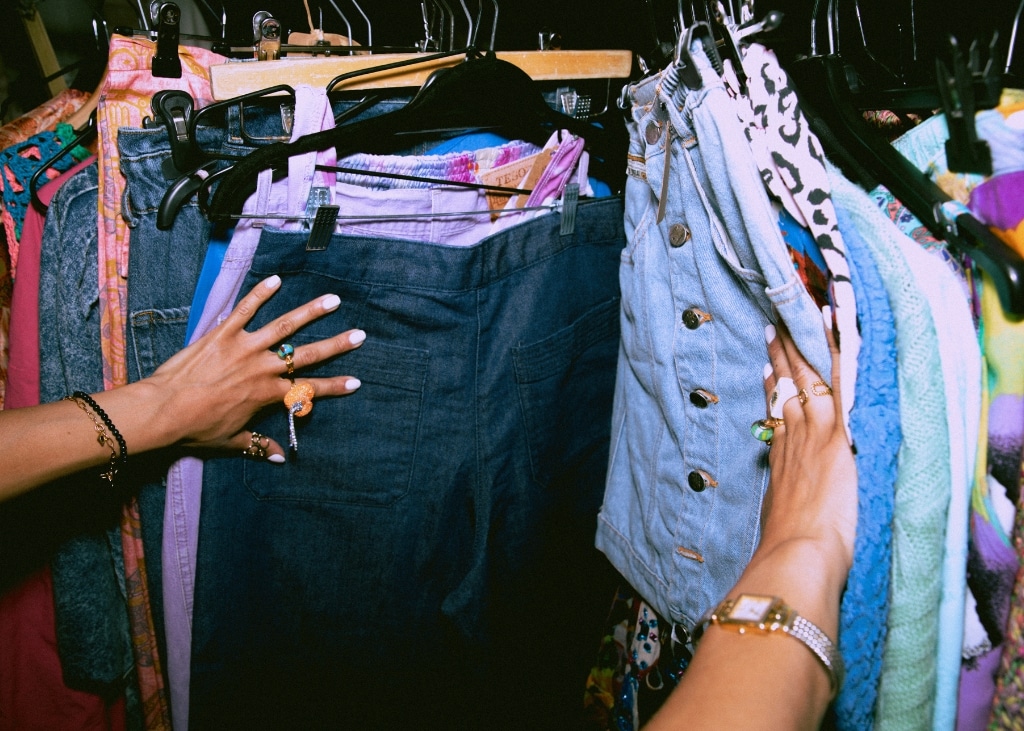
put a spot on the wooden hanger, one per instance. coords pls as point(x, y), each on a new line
point(234, 79)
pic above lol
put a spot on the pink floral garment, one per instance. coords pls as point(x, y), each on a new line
point(125, 98)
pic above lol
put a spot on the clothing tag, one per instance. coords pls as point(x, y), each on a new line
point(323, 227)
point(570, 199)
point(544, 158)
point(510, 175)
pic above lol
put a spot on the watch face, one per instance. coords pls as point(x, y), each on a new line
point(751, 608)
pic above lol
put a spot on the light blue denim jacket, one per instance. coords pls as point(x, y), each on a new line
point(680, 517)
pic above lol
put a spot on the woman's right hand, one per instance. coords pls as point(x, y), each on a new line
point(812, 493)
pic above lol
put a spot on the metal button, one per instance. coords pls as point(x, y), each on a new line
point(678, 234)
point(652, 133)
point(702, 399)
point(699, 479)
point(694, 318)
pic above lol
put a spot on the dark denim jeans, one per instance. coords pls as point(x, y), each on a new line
point(427, 559)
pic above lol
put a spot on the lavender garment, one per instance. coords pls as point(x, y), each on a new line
point(999, 201)
point(185, 477)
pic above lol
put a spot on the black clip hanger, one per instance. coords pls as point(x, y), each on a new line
point(483, 92)
point(166, 63)
point(965, 153)
point(866, 157)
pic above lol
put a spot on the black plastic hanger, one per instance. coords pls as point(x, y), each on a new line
point(867, 158)
point(483, 92)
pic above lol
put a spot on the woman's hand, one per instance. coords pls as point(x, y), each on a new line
point(812, 493)
point(212, 388)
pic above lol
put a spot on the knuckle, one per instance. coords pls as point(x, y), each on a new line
point(283, 328)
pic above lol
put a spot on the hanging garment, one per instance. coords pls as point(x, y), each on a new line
point(27, 633)
point(44, 117)
point(875, 427)
point(422, 516)
point(680, 518)
point(23, 366)
point(124, 100)
point(907, 689)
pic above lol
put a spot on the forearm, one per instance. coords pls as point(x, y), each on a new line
point(42, 443)
point(764, 681)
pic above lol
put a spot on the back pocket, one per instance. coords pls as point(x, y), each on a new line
point(565, 384)
point(358, 449)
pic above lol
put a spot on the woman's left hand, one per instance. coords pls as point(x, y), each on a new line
point(212, 388)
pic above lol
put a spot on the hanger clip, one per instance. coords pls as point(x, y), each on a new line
point(321, 218)
point(267, 36)
point(570, 202)
point(166, 63)
point(174, 109)
point(965, 153)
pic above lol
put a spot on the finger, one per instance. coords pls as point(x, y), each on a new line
point(248, 305)
point(333, 386)
point(781, 369)
point(312, 353)
point(833, 349)
point(817, 404)
point(243, 440)
point(283, 327)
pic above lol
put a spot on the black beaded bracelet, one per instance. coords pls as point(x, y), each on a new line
point(106, 420)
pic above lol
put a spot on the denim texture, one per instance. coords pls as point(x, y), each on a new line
point(681, 512)
point(402, 570)
point(89, 601)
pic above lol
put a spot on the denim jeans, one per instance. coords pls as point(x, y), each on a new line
point(412, 565)
point(705, 271)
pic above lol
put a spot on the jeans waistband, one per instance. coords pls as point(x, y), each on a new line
point(415, 265)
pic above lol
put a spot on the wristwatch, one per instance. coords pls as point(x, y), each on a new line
point(766, 614)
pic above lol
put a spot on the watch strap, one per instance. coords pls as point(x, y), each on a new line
point(782, 618)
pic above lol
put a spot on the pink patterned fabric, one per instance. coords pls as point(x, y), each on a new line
point(124, 100)
point(42, 118)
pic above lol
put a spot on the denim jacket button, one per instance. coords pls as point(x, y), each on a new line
point(702, 399)
point(699, 479)
point(678, 234)
point(652, 133)
point(694, 318)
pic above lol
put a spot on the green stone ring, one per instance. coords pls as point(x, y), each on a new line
point(764, 429)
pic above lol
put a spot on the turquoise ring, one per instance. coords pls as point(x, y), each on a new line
point(287, 353)
point(764, 429)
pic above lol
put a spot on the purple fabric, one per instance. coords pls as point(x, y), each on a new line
point(185, 477)
point(991, 569)
point(999, 201)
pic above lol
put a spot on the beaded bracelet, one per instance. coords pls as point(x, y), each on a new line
point(86, 402)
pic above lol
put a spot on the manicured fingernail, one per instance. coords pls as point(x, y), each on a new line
point(768, 370)
point(330, 302)
point(769, 333)
point(826, 315)
point(353, 383)
point(272, 282)
point(356, 336)
point(276, 458)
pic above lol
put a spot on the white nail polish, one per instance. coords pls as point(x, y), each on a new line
point(769, 333)
point(272, 282)
point(330, 302)
point(356, 336)
point(276, 458)
point(353, 383)
point(768, 370)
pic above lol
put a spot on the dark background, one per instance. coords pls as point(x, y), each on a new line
point(889, 42)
